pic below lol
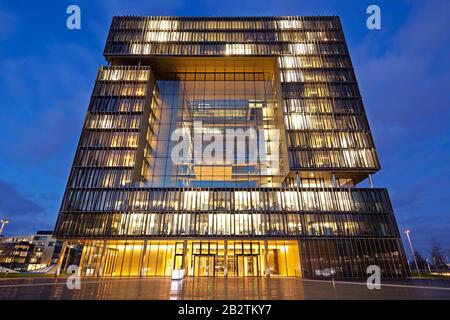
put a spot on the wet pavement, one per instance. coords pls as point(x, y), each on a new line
point(218, 288)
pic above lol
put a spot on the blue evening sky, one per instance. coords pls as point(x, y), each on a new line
point(47, 74)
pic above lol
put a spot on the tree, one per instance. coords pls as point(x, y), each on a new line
point(438, 256)
point(421, 262)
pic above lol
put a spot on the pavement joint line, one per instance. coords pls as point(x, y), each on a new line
point(382, 285)
point(149, 279)
point(65, 282)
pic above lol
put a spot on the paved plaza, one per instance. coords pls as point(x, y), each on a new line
point(218, 288)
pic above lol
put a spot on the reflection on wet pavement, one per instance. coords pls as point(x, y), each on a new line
point(204, 288)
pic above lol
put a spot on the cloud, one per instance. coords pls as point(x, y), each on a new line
point(406, 86)
point(47, 98)
point(45, 93)
point(21, 211)
point(404, 78)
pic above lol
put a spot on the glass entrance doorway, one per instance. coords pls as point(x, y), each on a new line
point(204, 265)
point(248, 266)
point(245, 259)
point(205, 258)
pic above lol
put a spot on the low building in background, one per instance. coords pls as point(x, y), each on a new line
point(46, 250)
point(29, 253)
point(15, 252)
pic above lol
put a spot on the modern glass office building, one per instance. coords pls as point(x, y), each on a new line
point(228, 147)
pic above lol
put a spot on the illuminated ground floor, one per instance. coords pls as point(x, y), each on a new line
point(211, 257)
point(233, 258)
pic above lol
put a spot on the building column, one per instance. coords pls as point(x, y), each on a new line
point(102, 260)
point(266, 254)
point(142, 267)
point(61, 258)
point(300, 257)
point(334, 181)
point(69, 251)
point(225, 259)
point(370, 180)
point(185, 257)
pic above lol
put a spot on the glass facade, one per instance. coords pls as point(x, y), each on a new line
point(234, 258)
point(219, 102)
point(228, 147)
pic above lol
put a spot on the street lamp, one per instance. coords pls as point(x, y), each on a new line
point(3, 222)
point(428, 265)
point(435, 265)
point(407, 231)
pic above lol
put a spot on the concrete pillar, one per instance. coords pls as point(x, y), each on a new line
point(142, 267)
point(266, 254)
point(225, 259)
point(185, 257)
point(300, 257)
point(370, 181)
point(101, 263)
point(299, 181)
point(61, 258)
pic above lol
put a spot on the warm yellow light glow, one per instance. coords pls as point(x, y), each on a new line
point(237, 49)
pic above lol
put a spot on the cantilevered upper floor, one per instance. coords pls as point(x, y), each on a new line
point(294, 72)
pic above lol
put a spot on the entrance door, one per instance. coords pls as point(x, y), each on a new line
point(251, 268)
point(204, 265)
point(248, 265)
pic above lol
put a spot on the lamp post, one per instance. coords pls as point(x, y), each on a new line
point(3, 222)
point(428, 265)
point(435, 265)
point(407, 231)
